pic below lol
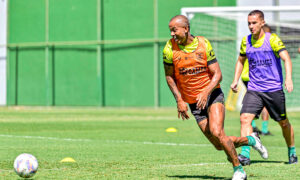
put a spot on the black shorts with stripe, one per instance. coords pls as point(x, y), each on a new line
point(217, 96)
point(254, 102)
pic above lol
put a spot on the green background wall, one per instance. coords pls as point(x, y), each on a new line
point(111, 74)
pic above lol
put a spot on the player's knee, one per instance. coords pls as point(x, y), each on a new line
point(216, 133)
point(245, 120)
point(284, 123)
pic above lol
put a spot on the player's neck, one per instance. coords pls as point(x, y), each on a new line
point(189, 40)
point(258, 36)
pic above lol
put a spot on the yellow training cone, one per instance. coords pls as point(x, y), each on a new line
point(171, 129)
point(68, 159)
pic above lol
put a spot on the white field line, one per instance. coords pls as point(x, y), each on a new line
point(115, 141)
point(54, 169)
point(109, 141)
point(41, 137)
point(156, 143)
point(6, 170)
point(189, 165)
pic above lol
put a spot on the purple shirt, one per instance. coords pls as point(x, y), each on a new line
point(265, 71)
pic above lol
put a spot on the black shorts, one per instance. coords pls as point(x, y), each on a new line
point(254, 102)
point(217, 96)
point(246, 84)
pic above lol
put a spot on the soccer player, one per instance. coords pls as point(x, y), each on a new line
point(264, 52)
point(193, 76)
point(264, 114)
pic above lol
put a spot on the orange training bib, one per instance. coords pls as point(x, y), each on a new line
point(191, 71)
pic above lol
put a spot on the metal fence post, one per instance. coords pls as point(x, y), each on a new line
point(156, 54)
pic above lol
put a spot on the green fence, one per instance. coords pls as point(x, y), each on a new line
point(90, 53)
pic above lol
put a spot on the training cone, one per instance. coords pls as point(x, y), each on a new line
point(67, 159)
point(171, 129)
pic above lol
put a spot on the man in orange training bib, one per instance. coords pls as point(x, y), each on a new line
point(193, 76)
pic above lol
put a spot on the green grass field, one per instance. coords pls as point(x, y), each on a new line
point(113, 143)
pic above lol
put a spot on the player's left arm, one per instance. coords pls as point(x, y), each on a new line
point(279, 48)
point(284, 55)
point(215, 70)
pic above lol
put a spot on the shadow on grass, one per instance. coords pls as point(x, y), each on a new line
point(197, 177)
point(266, 161)
point(214, 177)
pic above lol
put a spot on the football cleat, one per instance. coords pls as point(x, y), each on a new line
point(238, 175)
point(255, 129)
point(244, 160)
point(259, 147)
point(266, 134)
point(293, 159)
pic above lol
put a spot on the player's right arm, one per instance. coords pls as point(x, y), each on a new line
point(239, 66)
point(182, 107)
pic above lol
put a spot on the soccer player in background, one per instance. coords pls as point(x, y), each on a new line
point(193, 76)
point(264, 114)
point(264, 52)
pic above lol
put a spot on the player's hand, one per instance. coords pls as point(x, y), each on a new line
point(202, 100)
point(289, 85)
point(234, 87)
point(182, 109)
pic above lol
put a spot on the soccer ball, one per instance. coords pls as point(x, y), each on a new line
point(26, 165)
